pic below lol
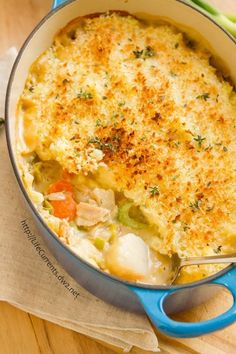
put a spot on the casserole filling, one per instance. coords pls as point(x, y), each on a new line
point(126, 146)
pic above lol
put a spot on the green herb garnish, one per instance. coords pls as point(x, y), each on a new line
point(186, 227)
point(95, 140)
point(102, 145)
point(196, 205)
point(209, 208)
point(109, 146)
point(199, 140)
point(205, 96)
point(209, 147)
point(138, 53)
point(154, 191)
point(218, 249)
point(98, 123)
point(148, 52)
point(114, 115)
point(173, 74)
point(85, 95)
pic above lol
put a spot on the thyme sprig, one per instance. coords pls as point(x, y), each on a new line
point(205, 96)
point(154, 191)
point(85, 95)
point(146, 53)
point(195, 205)
point(199, 139)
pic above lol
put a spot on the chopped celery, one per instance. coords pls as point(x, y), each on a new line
point(113, 230)
point(99, 243)
point(37, 171)
point(125, 219)
point(48, 206)
point(45, 173)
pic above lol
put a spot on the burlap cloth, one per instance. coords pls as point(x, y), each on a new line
point(27, 281)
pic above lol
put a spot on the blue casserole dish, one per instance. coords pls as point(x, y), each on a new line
point(157, 301)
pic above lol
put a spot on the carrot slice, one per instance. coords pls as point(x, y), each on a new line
point(61, 186)
point(65, 208)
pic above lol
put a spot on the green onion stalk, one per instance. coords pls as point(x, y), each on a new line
point(228, 21)
point(231, 17)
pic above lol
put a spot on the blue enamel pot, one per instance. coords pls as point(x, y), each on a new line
point(157, 301)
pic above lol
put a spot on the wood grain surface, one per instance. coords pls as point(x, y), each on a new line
point(22, 333)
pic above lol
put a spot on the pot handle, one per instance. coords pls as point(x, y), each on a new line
point(153, 301)
point(57, 3)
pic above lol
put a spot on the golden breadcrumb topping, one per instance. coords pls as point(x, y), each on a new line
point(140, 107)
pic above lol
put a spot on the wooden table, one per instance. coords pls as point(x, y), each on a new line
point(22, 333)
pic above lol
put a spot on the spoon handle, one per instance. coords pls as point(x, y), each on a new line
point(226, 258)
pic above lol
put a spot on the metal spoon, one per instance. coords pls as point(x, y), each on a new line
point(177, 262)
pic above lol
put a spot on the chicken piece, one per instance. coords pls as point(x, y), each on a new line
point(101, 231)
point(90, 215)
point(128, 257)
point(105, 199)
point(83, 194)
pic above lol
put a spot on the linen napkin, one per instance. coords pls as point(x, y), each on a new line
point(27, 281)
